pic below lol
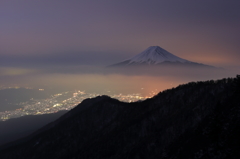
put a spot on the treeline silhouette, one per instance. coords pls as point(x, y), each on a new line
point(195, 120)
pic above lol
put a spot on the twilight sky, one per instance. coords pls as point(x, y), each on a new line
point(93, 32)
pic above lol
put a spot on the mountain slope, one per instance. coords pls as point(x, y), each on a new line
point(155, 55)
point(196, 120)
point(17, 128)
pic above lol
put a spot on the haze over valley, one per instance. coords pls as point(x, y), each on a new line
point(119, 79)
point(51, 89)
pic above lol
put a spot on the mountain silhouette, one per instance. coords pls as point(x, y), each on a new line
point(17, 128)
point(195, 120)
point(154, 56)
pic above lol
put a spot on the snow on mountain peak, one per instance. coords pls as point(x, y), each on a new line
point(155, 55)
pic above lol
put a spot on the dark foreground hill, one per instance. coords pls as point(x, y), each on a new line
point(197, 120)
point(17, 128)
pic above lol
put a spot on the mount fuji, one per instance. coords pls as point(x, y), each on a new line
point(155, 55)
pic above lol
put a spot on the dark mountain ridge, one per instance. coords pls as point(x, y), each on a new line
point(16, 128)
point(195, 120)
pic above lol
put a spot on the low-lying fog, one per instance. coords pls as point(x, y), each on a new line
point(102, 80)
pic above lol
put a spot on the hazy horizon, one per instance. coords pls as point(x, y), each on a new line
point(69, 44)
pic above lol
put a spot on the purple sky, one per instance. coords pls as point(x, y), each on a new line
point(93, 32)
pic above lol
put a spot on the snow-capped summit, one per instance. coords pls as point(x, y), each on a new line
point(155, 55)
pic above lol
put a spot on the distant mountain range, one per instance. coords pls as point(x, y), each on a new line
point(197, 120)
point(154, 56)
